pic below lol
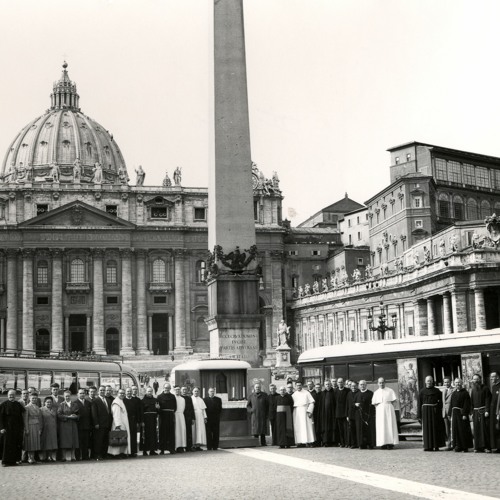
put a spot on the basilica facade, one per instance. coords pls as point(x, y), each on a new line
point(91, 263)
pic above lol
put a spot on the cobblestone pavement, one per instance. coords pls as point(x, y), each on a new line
point(230, 475)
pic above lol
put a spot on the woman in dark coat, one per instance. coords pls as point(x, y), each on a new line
point(49, 431)
point(67, 415)
point(11, 430)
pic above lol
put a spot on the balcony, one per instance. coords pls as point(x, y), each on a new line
point(160, 287)
point(74, 287)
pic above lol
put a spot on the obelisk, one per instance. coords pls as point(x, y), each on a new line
point(233, 284)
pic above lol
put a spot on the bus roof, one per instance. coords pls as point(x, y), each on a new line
point(61, 364)
point(213, 364)
point(408, 345)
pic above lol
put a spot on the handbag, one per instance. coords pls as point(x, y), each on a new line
point(118, 438)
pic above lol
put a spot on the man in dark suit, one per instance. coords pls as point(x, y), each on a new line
point(108, 394)
point(84, 425)
point(91, 398)
point(341, 424)
point(101, 420)
point(134, 414)
point(273, 401)
point(54, 394)
point(214, 410)
point(188, 417)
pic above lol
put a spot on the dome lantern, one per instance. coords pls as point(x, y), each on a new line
point(64, 95)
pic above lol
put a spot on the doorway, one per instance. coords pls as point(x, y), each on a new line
point(112, 341)
point(42, 343)
point(160, 333)
point(77, 332)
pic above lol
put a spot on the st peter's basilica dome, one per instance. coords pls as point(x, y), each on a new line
point(65, 141)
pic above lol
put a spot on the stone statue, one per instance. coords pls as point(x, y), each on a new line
point(384, 269)
point(307, 289)
point(140, 176)
point(12, 173)
point(399, 265)
point(283, 333)
point(324, 285)
point(368, 271)
point(167, 182)
point(77, 170)
point(97, 177)
point(332, 280)
point(55, 172)
point(276, 181)
point(442, 247)
point(177, 176)
point(301, 291)
point(315, 286)
point(416, 259)
point(122, 175)
point(475, 240)
point(427, 254)
point(356, 275)
point(454, 243)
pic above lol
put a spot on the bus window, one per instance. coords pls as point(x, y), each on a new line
point(127, 381)
point(385, 369)
point(87, 379)
point(12, 379)
point(360, 371)
point(312, 374)
point(112, 380)
point(66, 380)
point(339, 371)
point(40, 381)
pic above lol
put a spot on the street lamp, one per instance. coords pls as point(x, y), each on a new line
point(382, 324)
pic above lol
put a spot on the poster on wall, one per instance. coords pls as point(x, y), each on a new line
point(471, 364)
point(408, 388)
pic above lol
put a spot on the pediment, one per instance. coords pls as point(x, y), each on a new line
point(77, 214)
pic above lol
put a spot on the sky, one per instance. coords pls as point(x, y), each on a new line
point(332, 84)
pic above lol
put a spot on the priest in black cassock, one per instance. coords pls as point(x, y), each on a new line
point(364, 416)
point(134, 414)
point(430, 414)
point(326, 415)
point(495, 412)
point(284, 419)
point(459, 412)
point(168, 405)
point(273, 396)
point(341, 426)
point(188, 417)
point(149, 408)
point(351, 415)
point(480, 396)
point(11, 430)
point(214, 411)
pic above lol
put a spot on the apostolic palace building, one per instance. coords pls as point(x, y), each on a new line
point(93, 261)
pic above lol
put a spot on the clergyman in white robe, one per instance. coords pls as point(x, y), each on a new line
point(385, 417)
point(120, 419)
point(180, 424)
point(200, 414)
point(303, 403)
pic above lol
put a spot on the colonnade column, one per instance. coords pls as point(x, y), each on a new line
point(11, 334)
point(171, 338)
point(142, 327)
point(421, 323)
point(448, 325)
point(459, 311)
point(28, 336)
point(56, 344)
point(150, 332)
point(98, 302)
point(180, 316)
point(126, 261)
point(431, 319)
point(479, 308)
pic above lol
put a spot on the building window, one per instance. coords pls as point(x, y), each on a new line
point(201, 271)
point(348, 222)
point(160, 299)
point(315, 252)
point(417, 201)
point(77, 271)
point(360, 261)
point(454, 172)
point(359, 236)
point(472, 213)
point(485, 209)
point(419, 223)
point(482, 177)
point(111, 272)
point(42, 272)
point(112, 299)
point(350, 240)
point(496, 178)
point(396, 160)
point(293, 252)
point(112, 209)
point(444, 208)
point(295, 281)
point(42, 301)
point(159, 212)
point(408, 156)
point(469, 174)
point(458, 209)
point(41, 209)
point(159, 271)
point(441, 169)
point(200, 214)
point(256, 210)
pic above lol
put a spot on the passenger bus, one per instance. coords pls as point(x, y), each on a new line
point(22, 372)
point(404, 363)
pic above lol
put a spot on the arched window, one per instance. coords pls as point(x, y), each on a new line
point(444, 206)
point(111, 272)
point(159, 271)
point(458, 208)
point(77, 271)
point(42, 272)
point(201, 268)
point(485, 209)
point(472, 209)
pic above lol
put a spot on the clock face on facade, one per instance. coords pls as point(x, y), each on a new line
point(255, 181)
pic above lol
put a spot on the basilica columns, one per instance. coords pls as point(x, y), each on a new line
point(479, 308)
point(98, 303)
point(126, 258)
point(180, 304)
point(142, 325)
point(459, 311)
point(431, 319)
point(57, 301)
point(28, 299)
point(447, 323)
point(11, 340)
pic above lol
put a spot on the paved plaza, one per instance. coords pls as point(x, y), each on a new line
point(265, 473)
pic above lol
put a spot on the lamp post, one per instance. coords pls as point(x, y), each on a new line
point(382, 327)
